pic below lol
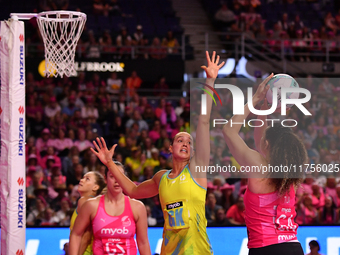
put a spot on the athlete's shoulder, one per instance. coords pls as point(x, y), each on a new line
point(138, 209)
point(81, 201)
point(92, 202)
point(158, 176)
point(136, 204)
point(160, 173)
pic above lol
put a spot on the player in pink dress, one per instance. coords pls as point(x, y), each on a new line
point(115, 219)
point(269, 199)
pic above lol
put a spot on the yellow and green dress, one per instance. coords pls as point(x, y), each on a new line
point(183, 205)
point(88, 250)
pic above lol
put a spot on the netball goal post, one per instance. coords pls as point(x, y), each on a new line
point(60, 31)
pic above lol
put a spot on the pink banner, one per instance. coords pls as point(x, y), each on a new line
point(12, 159)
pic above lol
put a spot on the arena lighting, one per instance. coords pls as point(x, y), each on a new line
point(228, 67)
point(242, 70)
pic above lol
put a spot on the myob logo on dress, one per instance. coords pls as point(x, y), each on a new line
point(111, 231)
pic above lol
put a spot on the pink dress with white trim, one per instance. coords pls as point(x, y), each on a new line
point(114, 235)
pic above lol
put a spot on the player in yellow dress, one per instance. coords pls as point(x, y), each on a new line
point(90, 185)
point(181, 194)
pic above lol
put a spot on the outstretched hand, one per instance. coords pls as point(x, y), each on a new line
point(104, 155)
point(261, 91)
point(213, 66)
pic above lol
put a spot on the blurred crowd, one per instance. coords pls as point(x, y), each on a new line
point(125, 45)
point(112, 33)
point(64, 116)
point(279, 26)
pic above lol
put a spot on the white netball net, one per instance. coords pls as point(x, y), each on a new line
point(60, 31)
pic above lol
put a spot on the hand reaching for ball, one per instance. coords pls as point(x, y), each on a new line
point(261, 91)
point(265, 106)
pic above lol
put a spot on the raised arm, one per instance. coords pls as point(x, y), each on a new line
point(238, 148)
point(146, 189)
point(259, 131)
point(202, 151)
